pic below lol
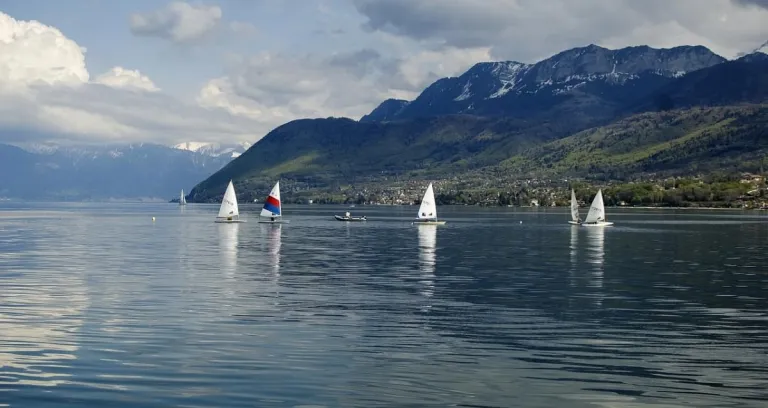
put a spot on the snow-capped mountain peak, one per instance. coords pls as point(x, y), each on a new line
point(514, 88)
point(214, 149)
point(39, 148)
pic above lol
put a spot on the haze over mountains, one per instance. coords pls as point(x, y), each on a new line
point(133, 171)
point(503, 116)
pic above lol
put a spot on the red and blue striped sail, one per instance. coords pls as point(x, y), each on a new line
point(272, 207)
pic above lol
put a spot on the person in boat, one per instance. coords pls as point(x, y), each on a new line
point(273, 218)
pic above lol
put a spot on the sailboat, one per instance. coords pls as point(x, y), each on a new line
point(272, 212)
point(575, 218)
point(228, 212)
point(596, 215)
point(428, 209)
point(182, 199)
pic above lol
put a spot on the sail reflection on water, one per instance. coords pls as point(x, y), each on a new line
point(574, 251)
point(271, 238)
point(228, 240)
point(427, 255)
point(596, 258)
point(275, 242)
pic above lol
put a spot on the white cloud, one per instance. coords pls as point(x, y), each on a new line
point(33, 52)
point(46, 93)
point(178, 21)
point(529, 30)
point(276, 88)
point(119, 77)
point(427, 66)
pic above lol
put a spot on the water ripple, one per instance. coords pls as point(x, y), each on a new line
point(101, 306)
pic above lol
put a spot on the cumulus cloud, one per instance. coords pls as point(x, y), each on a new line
point(22, 62)
point(46, 93)
point(119, 77)
point(178, 21)
point(275, 88)
point(528, 30)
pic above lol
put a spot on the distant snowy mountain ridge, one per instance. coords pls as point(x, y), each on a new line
point(230, 151)
point(586, 75)
point(215, 149)
point(116, 171)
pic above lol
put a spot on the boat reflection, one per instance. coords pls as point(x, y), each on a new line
point(596, 258)
point(228, 240)
point(275, 242)
point(427, 255)
point(574, 247)
point(272, 235)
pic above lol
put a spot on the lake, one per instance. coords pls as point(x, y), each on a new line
point(101, 306)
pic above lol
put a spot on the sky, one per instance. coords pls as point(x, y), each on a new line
point(226, 71)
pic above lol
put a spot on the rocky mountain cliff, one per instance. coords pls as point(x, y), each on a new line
point(590, 76)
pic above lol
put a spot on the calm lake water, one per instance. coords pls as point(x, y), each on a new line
point(100, 306)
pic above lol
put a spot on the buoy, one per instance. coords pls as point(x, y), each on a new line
point(153, 219)
point(520, 221)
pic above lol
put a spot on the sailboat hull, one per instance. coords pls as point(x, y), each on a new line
point(574, 223)
point(274, 222)
point(349, 219)
point(428, 223)
point(229, 221)
point(598, 224)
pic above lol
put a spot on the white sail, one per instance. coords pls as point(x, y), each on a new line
point(596, 210)
point(229, 203)
point(428, 208)
point(574, 207)
point(182, 200)
point(272, 205)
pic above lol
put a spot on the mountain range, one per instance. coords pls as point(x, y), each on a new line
point(122, 171)
point(526, 120)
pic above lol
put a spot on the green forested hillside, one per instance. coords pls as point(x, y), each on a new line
point(688, 141)
point(322, 152)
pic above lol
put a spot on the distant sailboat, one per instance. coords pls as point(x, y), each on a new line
point(596, 215)
point(272, 211)
point(428, 209)
point(182, 199)
point(228, 212)
point(575, 218)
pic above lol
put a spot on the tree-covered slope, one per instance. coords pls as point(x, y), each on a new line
point(321, 152)
point(686, 141)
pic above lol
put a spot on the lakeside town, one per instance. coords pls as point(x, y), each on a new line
point(744, 190)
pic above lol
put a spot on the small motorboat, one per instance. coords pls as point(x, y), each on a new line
point(348, 217)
